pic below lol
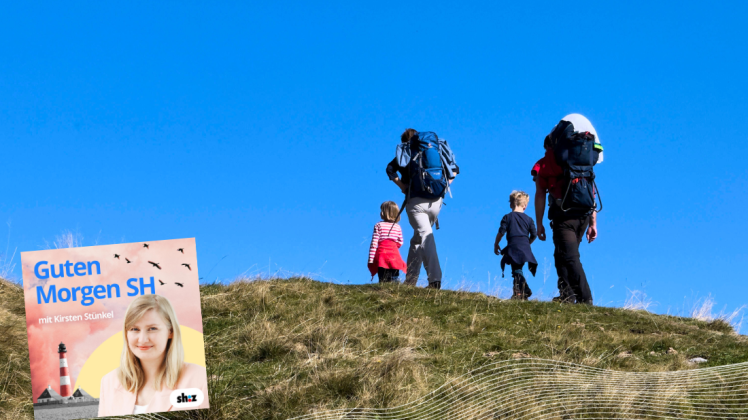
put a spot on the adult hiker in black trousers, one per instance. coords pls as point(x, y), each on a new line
point(568, 227)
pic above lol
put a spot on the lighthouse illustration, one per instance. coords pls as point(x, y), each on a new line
point(65, 386)
point(66, 396)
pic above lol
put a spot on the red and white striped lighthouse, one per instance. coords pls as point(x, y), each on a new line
point(65, 386)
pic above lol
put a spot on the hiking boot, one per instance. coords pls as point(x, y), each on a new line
point(517, 295)
point(563, 299)
point(435, 285)
point(520, 288)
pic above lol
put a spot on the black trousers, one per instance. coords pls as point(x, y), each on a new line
point(572, 282)
point(387, 275)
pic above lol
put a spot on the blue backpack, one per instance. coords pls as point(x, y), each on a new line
point(430, 162)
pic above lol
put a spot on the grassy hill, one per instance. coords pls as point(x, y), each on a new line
point(283, 348)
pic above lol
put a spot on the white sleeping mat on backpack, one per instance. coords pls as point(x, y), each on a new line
point(582, 124)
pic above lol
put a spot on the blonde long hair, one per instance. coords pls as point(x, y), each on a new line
point(389, 212)
point(130, 372)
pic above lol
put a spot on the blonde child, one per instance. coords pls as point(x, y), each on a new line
point(520, 233)
point(384, 252)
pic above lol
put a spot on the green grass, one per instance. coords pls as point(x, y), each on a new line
point(283, 348)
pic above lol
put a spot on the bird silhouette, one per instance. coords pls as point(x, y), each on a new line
point(181, 250)
point(162, 283)
point(188, 266)
point(179, 284)
point(154, 264)
point(116, 256)
point(146, 246)
point(128, 261)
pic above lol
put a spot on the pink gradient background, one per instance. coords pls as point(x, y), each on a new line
point(83, 337)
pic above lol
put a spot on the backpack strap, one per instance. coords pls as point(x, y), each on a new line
point(568, 187)
point(403, 149)
point(597, 194)
point(402, 207)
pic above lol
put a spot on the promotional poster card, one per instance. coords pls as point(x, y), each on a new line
point(115, 329)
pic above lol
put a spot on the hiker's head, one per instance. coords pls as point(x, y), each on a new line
point(518, 199)
point(388, 211)
point(407, 134)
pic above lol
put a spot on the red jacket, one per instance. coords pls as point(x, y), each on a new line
point(387, 256)
point(549, 174)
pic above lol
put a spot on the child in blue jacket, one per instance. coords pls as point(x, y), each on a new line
point(520, 233)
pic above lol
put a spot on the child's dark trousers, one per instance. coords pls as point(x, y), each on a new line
point(388, 275)
point(520, 289)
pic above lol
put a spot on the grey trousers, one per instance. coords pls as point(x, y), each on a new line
point(422, 213)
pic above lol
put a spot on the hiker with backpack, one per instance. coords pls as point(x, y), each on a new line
point(520, 234)
point(423, 168)
point(566, 174)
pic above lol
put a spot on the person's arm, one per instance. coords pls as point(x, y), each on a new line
point(496, 248)
point(391, 170)
point(401, 184)
point(592, 229)
point(502, 230)
point(374, 243)
point(533, 232)
point(540, 207)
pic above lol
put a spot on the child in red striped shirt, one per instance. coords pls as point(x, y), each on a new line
point(384, 252)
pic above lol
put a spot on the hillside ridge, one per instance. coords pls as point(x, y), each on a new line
point(281, 348)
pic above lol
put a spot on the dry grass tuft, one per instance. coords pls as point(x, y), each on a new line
point(15, 380)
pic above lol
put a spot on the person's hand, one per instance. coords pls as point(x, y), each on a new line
point(401, 184)
point(591, 233)
point(497, 249)
point(541, 232)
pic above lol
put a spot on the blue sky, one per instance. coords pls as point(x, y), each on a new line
point(263, 131)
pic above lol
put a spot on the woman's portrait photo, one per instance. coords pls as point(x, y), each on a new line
point(152, 364)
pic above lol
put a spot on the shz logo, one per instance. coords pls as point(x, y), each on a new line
point(187, 397)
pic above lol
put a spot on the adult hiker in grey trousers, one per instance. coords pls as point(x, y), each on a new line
point(422, 214)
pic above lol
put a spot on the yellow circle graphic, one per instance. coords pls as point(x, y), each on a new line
point(106, 358)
